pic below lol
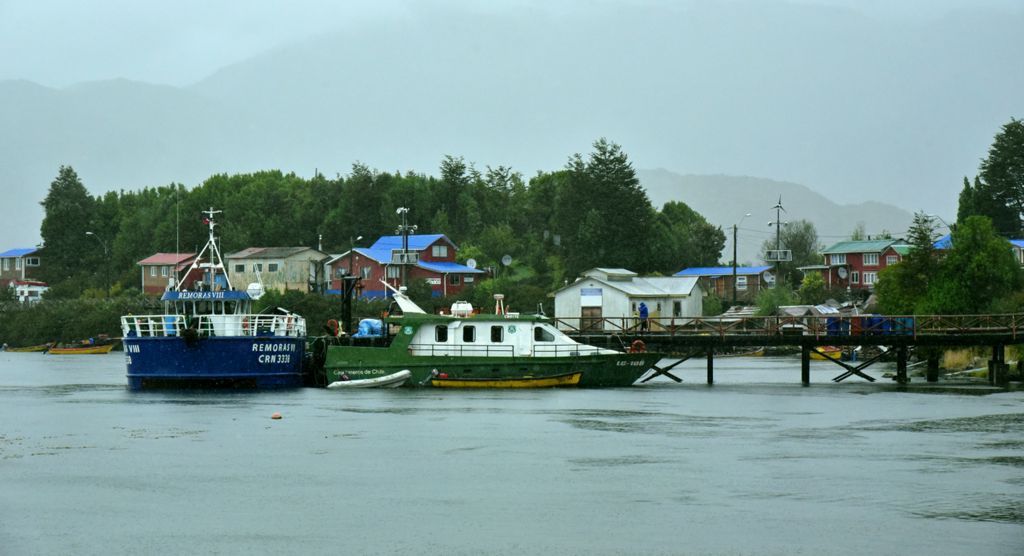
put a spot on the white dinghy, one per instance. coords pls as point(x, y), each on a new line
point(393, 380)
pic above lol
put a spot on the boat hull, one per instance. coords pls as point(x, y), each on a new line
point(597, 370)
point(569, 379)
point(28, 349)
point(827, 353)
point(84, 350)
point(239, 361)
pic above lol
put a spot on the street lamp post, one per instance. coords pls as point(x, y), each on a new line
point(106, 262)
point(735, 227)
point(404, 228)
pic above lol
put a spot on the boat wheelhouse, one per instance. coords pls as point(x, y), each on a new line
point(212, 337)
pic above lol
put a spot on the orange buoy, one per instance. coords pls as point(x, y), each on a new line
point(276, 415)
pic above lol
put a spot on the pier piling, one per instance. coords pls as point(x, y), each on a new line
point(711, 365)
point(805, 365)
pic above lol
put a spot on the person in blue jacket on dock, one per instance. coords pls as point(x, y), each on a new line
point(643, 317)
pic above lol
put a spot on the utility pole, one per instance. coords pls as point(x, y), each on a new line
point(778, 239)
point(735, 227)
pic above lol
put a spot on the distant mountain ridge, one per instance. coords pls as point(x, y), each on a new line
point(724, 200)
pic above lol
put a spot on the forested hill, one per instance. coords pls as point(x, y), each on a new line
point(723, 200)
point(592, 213)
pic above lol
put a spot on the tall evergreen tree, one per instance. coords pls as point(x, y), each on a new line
point(903, 288)
point(609, 218)
point(68, 215)
point(1003, 170)
point(998, 191)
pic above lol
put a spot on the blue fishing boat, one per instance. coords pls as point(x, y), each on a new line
point(210, 336)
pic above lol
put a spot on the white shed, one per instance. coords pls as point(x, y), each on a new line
point(609, 299)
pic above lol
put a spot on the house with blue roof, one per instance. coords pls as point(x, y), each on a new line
point(429, 257)
point(20, 265)
point(615, 299)
point(718, 280)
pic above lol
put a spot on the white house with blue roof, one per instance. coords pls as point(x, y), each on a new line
point(609, 299)
point(718, 280)
point(429, 257)
point(21, 265)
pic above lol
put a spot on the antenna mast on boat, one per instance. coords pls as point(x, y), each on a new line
point(216, 262)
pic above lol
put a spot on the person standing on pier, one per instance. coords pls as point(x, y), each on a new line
point(643, 317)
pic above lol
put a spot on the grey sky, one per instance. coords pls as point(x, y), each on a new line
point(62, 42)
point(859, 100)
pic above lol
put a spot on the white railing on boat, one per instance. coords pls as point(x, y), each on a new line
point(152, 326)
point(462, 350)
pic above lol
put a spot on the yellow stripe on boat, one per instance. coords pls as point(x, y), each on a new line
point(568, 379)
point(82, 350)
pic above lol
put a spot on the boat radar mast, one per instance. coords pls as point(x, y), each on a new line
point(215, 263)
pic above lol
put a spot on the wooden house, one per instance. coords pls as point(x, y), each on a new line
point(718, 280)
point(163, 270)
point(855, 264)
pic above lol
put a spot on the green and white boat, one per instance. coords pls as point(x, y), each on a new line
point(499, 347)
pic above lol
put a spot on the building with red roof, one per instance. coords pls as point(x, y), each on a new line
point(164, 270)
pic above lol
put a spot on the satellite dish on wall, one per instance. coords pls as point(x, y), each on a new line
point(506, 260)
point(255, 290)
point(842, 273)
point(471, 263)
point(769, 278)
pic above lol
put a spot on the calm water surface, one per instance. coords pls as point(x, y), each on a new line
point(756, 464)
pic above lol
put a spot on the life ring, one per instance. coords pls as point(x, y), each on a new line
point(638, 346)
point(333, 325)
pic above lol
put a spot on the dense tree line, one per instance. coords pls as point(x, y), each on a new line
point(593, 212)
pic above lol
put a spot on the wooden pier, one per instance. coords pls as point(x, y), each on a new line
point(895, 335)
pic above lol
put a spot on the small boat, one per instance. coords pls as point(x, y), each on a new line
point(567, 379)
point(824, 353)
point(82, 350)
point(26, 349)
point(759, 352)
point(393, 380)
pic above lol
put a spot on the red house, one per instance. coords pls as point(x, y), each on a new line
point(855, 264)
point(159, 270)
point(431, 257)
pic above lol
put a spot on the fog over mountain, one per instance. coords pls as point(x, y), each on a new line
point(856, 101)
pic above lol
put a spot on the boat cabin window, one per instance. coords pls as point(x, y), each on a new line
point(542, 335)
point(497, 334)
point(441, 333)
point(469, 334)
